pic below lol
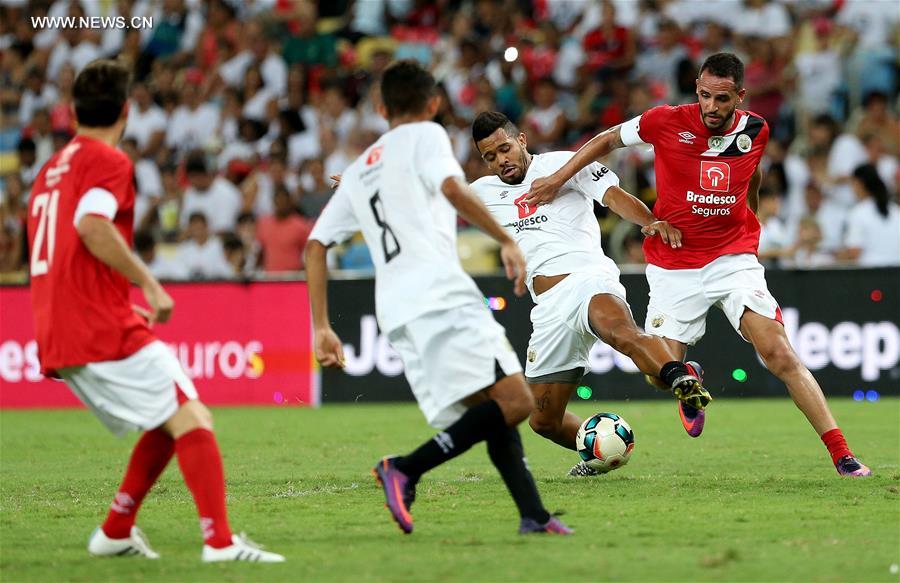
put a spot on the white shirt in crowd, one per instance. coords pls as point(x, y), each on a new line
point(32, 102)
point(273, 71)
point(190, 129)
point(878, 236)
point(820, 77)
point(561, 237)
point(221, 204)
point(141, 125)
point(204, 261)
point(392, 193)
point(845, 155)
point(773, 235)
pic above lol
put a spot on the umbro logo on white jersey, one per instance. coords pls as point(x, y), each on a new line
point(504, 193)
point(687, 137)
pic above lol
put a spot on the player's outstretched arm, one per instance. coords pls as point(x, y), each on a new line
point(635, 211)
point(104, 241)
point(544, 190)
point(328, 346)
point(471, 208)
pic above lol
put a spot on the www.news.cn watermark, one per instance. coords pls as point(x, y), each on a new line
point(90, 22)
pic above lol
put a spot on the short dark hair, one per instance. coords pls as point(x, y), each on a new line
point(197, 216)
point(144, 241)
point(100, 92)
point(406, 88)
point(196, 163)
point(725, 65)
point(489, 122)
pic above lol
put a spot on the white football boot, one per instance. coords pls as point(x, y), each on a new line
point(135, 545)
point(240, 549)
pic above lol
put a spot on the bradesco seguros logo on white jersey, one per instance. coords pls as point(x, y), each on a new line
point(870, 347)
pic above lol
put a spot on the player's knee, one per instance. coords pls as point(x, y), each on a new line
point(780, 359)
point(193, 415)
point(543, 425)
point(516, 407)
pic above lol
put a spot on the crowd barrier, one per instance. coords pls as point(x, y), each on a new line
point(250, 343)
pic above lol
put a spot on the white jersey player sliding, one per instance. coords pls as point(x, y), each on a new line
point(403, 193)
point(574, 284)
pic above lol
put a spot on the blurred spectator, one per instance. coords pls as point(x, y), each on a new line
point(806, 251)
point(162, 266)
point(773, 237)
point(658, 66)
point(763, 80)
point(307, 46)
point(235, 254)
point(545, 123)
point(763, 19)
point(356, 255)
point(316, 187)
point(818, 72)
point(875, 117)
point(37, 95)
point(610, 48)
point(283, 235)
point(194, 122)
point(147, 121)
point(246, 232)
point(873, 225)
point(201, 254)
point(213, 196)
point(888, 166)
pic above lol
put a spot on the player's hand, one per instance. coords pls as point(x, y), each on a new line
point(543, 191)
point(161, 303)
point(329, 349)
point(337, 180)
point(669, 234)
point(514, 263)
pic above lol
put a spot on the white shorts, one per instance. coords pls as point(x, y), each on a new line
point(562, 337)
point(450, 355)
point(136, 393)
point(681, 298)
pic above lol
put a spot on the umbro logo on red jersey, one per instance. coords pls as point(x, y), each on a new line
point(687, 138)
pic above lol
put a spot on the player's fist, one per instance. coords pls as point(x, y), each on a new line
point(329, 348)
point(669, 234)
point(543, 191)
point(514, 263)
point(161, 303)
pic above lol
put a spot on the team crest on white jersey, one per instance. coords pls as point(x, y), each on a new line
point(744, 143)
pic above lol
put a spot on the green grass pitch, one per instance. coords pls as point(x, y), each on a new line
point(754, 499)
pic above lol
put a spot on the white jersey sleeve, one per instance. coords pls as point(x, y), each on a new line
point(337, 223)
point(630, 132)
point(594, 180)
point(434, 157)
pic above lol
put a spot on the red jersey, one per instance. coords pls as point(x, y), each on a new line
point(702, 180)
point(82, 312)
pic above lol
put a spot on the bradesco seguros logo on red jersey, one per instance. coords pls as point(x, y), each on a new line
point(715, 176)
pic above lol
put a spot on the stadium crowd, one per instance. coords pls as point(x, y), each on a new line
point(242, 109)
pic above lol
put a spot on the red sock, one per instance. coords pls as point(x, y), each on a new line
point(836, 444)
point(201, 465)
point(150, 457)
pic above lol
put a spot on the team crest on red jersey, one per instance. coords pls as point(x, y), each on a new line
point(525, 209)
point(374, 156)
point(715, 176)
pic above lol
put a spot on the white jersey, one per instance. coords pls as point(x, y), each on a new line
point(560, 237)
point(392, 193)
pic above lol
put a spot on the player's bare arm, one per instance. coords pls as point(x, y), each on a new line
point(635, 211)
point(105, 243)
point(753, 190)
point(328, 347)
point(470, 207)
point(544, 190)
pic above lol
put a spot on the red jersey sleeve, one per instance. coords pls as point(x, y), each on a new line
point(112, 171)
point(653, 121)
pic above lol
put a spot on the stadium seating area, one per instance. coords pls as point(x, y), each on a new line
point(242, 109)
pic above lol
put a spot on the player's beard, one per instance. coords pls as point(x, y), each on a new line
point(519, 176)
point(724, 121)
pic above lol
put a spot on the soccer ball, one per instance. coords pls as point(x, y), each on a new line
point(605, 442)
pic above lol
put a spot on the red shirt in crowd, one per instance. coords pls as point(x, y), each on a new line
point(283, 241)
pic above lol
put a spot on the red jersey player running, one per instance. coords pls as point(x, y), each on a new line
point(80, 219)
point(708, 176)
